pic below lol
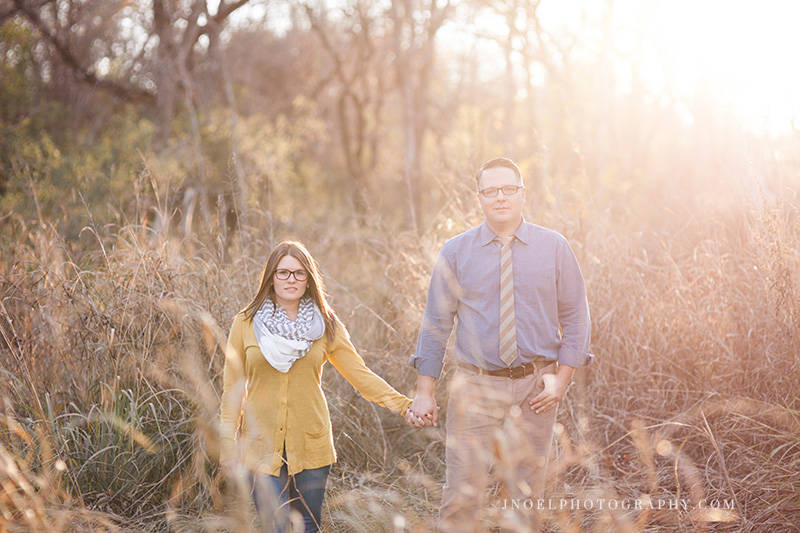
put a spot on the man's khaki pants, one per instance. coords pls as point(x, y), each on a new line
point(490, 423)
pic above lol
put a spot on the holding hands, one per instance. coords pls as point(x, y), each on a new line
point(423, 412)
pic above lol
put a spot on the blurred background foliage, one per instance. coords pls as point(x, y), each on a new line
point(380, 108)
point(152, 153)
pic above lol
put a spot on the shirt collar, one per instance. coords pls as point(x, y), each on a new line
point(487, 235)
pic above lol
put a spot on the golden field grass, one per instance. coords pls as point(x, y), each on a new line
point(112, 353)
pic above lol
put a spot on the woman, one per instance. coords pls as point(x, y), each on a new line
point(273, 368)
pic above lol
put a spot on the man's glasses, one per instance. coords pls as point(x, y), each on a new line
point(283, 274)
point(508, 190)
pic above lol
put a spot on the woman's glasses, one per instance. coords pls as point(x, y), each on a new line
point(283, 274)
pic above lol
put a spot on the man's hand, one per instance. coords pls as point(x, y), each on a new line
point(554, 387)
point(423, 411)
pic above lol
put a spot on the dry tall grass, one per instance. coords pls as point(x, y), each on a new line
point(112, 358)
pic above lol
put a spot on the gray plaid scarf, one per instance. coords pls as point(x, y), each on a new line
point(282, 341)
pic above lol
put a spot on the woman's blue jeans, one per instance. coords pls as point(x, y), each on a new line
point(276, 496)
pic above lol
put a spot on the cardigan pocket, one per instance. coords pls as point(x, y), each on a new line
point(319, 445)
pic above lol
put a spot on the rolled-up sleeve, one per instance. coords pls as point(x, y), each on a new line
point(573, 310)
point(438, 320)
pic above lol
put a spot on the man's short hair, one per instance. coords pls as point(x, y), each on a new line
point(498, 162)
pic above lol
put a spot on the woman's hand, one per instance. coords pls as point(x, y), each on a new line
point(413, 420)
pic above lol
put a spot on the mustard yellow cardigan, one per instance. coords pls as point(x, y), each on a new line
point(288, 412)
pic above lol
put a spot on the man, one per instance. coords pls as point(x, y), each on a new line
point(522, 328)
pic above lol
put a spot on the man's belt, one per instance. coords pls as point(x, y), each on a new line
point(517, 372)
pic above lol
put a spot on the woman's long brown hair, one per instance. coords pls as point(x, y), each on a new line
point(315, 288)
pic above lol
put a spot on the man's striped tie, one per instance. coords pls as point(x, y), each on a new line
point(508, 326)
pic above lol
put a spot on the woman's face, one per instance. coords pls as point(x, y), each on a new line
point(289, 291)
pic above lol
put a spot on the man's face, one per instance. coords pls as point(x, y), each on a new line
point(501, 210)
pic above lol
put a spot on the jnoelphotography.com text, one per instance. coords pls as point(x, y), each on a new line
point(613, 504)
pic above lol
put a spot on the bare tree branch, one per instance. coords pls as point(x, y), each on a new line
point(132, 94)
point(225, 9)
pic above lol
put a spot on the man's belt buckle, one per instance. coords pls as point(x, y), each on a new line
point(513, 372)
